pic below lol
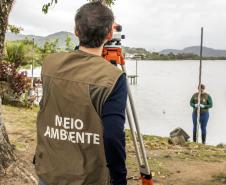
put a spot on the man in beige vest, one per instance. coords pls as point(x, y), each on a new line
point(80, 125)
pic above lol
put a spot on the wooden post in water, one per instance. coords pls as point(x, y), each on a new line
point(136, 71)
point(199, 87)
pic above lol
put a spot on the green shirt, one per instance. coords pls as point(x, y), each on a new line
point(206, 100)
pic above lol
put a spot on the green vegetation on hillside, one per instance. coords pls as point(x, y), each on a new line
point(147, 55)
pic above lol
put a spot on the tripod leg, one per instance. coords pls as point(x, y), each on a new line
point(144, 168)
point(133, 135)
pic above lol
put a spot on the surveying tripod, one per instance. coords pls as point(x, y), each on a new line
point(112, 52)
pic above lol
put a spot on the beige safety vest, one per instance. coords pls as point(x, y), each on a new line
point(70, 149)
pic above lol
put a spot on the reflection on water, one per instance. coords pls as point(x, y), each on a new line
point(164, 90)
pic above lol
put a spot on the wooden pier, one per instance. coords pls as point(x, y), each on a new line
point(133, 79)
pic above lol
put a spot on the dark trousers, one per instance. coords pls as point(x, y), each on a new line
point(41, 182)
point(204, 117)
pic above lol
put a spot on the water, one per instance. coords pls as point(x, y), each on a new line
point(163, 93)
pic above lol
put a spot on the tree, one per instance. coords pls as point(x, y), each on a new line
point(49, 47)
point(6, 150)
point(14, 29)
point(5, 8)
point(45, 7)
point(69, 45)
point(15, 53)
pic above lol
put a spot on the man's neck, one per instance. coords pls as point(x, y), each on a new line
point(94, 51)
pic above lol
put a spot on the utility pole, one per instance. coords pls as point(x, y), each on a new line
point(32, 65)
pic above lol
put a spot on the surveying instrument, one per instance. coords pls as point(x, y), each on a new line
point(112, 52)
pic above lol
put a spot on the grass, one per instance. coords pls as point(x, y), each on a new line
point(220, 177)
point(20, 124)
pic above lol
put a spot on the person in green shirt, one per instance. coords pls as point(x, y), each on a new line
point(205, 104)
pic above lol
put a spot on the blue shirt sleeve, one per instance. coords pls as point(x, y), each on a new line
point(113, 117)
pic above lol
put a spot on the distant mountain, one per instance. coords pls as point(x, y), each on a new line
point(207, 52)
point(39, 40)
point(61, 36)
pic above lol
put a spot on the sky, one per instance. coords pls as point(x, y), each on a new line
point(150, 24)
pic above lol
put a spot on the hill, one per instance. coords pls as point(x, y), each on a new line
point(61, 36)
point(207, 52)
point(39, 40)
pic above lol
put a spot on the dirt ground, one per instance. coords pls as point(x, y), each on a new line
point(171, 165)
point(170, 169)
point(190, 172)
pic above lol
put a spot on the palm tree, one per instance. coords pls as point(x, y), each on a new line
point(6, 151)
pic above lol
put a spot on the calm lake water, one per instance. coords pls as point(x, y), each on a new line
point(162, 96)
point(163, 93)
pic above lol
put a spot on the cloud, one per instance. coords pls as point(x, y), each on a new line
point(146, 23)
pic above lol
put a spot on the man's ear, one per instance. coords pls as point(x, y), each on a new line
point(76, 33)
point(109, 35)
